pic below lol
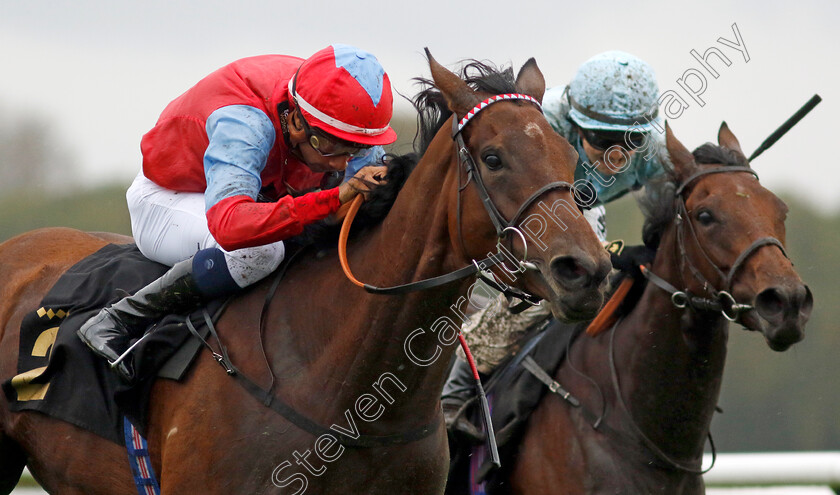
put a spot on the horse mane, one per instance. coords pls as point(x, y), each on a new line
point(657, 203)
point(431, 107)
point(432, 113)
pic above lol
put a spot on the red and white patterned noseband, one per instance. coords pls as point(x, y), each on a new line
point(493, 99)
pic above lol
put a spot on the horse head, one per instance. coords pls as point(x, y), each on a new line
point(521, 173)
point(731, 234)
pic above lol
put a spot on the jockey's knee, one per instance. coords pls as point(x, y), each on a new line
point(218, 272)
point(249, 265)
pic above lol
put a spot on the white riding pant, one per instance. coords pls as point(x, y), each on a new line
point(171, 226)
point(597, 218)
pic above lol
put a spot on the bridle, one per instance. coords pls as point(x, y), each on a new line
point(722, 300)
point(465, 161)
point(267, 397)
point(502, 226)
point(500, 223)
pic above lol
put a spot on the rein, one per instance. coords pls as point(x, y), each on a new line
point(500, 223)
point(596, 420)
point(722, 300)
point(428, 283)
point(267, 398)
point(638, 431)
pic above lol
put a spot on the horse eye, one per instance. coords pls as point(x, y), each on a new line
point(493, 161)
point(705, 217)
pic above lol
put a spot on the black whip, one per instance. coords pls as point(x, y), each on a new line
point(770, 141)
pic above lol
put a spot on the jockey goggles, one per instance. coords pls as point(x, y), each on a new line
point(604, 140)
point(329, 146)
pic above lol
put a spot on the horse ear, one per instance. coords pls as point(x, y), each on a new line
point(682, 159)
point(459, 96)
point(530, 80)
point(728, 140)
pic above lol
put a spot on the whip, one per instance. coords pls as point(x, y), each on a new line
point(789, 123)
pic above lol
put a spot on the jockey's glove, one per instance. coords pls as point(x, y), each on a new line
point(628, 258)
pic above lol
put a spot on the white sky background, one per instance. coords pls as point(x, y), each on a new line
point(102, 71)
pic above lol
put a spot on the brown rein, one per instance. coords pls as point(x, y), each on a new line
point(342, 238)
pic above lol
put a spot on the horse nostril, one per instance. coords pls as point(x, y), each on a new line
point(770, 303)
point(804, 300)
point(567, 269)
point(604, 269)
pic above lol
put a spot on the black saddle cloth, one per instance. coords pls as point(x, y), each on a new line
point(59, 376)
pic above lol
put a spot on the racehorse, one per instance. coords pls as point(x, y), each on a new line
point(360, 372)
point(648, 386)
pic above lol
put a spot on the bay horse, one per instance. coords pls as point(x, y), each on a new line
point(365, 369)
point(652, 381)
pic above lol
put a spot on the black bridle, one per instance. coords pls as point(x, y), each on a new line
point(722, 300)
point(502, 225)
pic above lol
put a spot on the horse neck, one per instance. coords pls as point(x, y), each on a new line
point(671, 361)
point(411, 244)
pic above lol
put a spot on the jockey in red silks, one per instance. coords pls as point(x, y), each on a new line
point(304, 134)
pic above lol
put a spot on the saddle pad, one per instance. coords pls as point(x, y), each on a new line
point(60, 377)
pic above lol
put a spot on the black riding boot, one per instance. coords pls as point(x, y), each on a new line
point(459, 388)
point(110, 332)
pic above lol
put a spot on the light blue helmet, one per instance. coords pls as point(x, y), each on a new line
point(612, 91)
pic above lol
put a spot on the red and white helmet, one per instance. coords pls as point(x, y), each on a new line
point(345, 92)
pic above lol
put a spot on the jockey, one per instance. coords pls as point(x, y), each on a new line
point(609, 114)
point(239, 163)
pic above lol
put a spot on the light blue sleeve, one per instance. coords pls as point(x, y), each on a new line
point(370, 156)
point(555, 107)
point(240, 137)
point(652, 161)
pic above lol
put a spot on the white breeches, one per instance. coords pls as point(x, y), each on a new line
point(597, 218)
point(170, 226)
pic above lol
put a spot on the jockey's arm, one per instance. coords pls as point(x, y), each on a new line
point(240, 139)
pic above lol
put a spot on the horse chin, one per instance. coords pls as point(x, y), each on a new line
point(569, 305)
point(574, 307)
point(778, 337)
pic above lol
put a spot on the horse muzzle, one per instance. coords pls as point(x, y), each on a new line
point(780, 314)
point(578, 284)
